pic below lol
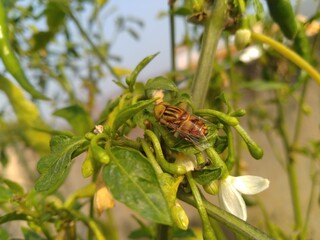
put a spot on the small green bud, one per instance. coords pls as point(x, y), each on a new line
point(239, 113)
point(255, 150)
point(211, 187)
point(242, 38)
point(100, 155)
point(89, 135)
point(179, 216)
point(87, 168)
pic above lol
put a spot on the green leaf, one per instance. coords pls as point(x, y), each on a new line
point(13, 186)
point(109, 107)
point(206, 175)
point(54, 167)
point(5, 194)
point(30, 234)
point(131, 80)
point(55, 14)
point(144, 230)
point(40, 40)
point(28, 116)
point(129, 111)
point(161, 83)
point(183, 234)
point(3, 155)
point(4, 235)
point(132, 181)
point(259, 9)
point(77, 117)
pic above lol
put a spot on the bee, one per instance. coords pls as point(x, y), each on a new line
point(190, 127)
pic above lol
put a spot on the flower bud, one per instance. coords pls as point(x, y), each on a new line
point(255, 150)
point(188, 161)
point(242, 38)
point(103, 198)
point(211, 187)
point(87, 167)
point(239, 113)
point(179, 216)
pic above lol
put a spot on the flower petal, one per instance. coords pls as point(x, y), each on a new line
point(231, 200)
point(186, 160)
point(249, 184)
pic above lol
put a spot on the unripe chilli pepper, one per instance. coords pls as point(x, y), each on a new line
point(9, 58)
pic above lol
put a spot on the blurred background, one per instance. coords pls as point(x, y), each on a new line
point(79, 57)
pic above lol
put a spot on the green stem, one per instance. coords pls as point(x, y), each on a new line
point(234, 80)
point(235, 224)
point(310, 205)
point(172, 39)
point(211, 36)
point(91, 206)
point(289, 54)
point(163, 232)
point(292, 175)
point(300, 112)
point(150, 156)
point(231, 158)
point(94, 226)
point(207, 230)
point(172, 168)
point(217, 162)
point(91, 215)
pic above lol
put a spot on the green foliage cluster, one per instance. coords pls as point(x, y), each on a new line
point(150, 174)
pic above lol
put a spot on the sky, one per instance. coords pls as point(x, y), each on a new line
point(154, 37)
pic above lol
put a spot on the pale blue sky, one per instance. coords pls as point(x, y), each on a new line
point(154, 37)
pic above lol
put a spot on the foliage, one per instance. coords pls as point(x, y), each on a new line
point(180, 154)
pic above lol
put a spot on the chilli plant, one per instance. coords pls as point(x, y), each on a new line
point(188, 145)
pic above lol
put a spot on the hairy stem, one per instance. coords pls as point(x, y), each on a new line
point(211, 36)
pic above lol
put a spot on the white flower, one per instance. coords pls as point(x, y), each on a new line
point(188, 161)
point(230, 190)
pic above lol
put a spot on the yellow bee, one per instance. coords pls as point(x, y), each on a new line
point(190, 127)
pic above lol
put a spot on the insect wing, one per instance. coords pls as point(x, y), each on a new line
point(198, 131)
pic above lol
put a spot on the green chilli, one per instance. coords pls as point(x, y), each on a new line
point(99, 154)
point(282, 13)
point(10, 60)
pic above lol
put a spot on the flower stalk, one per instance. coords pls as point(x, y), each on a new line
point(207, 230)
point(289, 54)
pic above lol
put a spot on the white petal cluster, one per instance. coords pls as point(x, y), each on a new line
point(230, 191)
